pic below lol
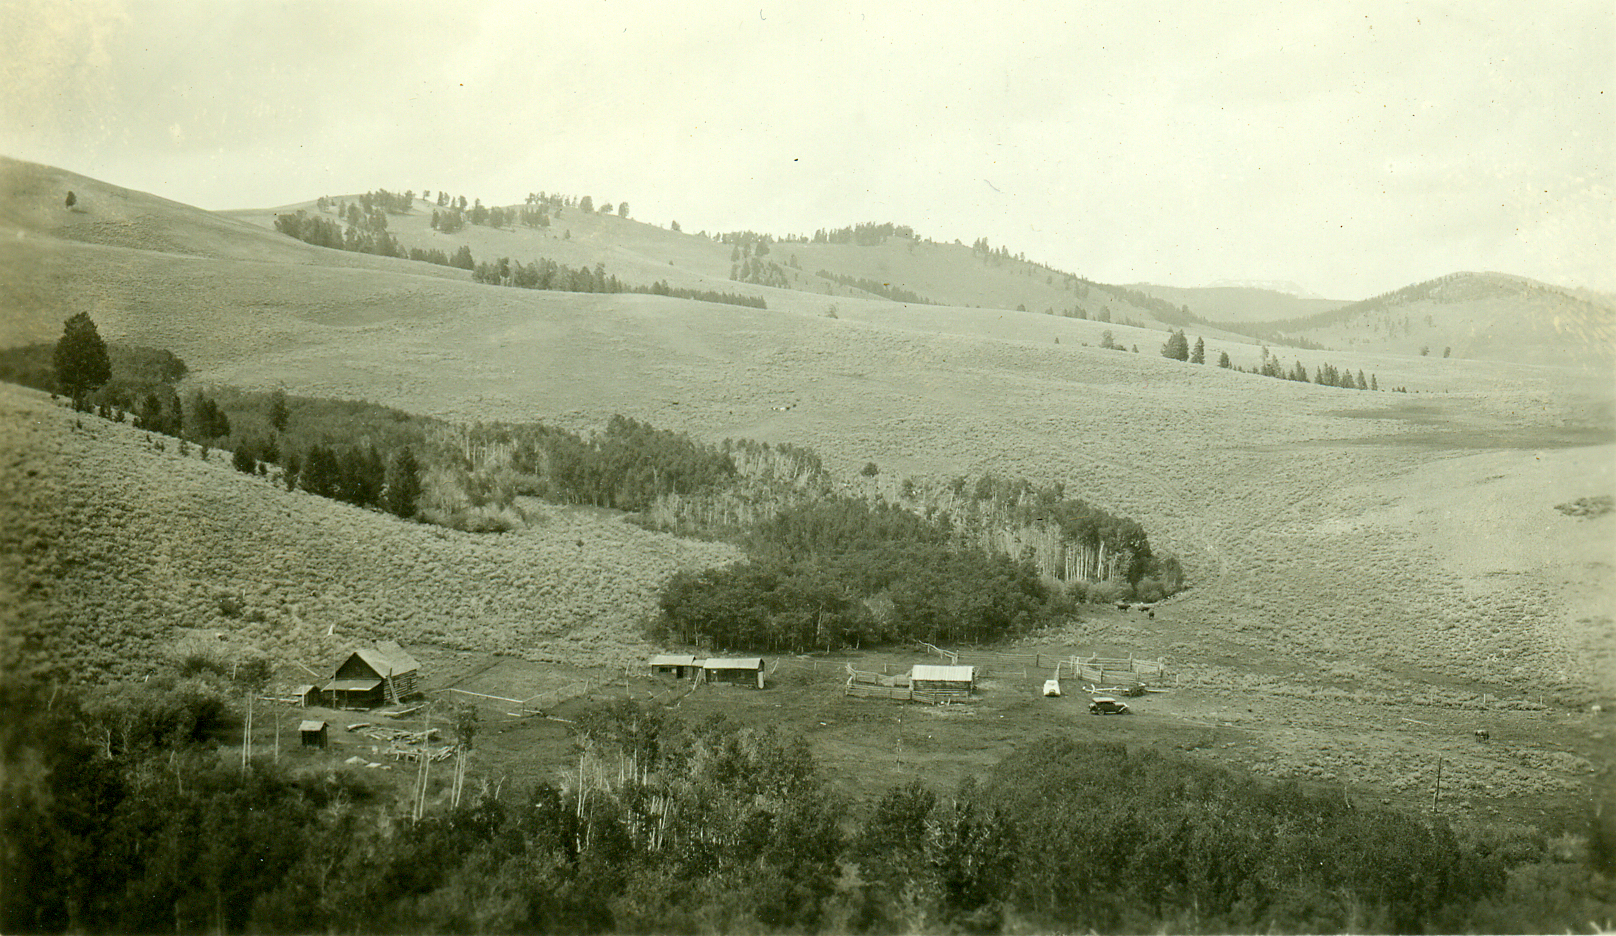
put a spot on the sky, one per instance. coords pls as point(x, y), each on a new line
point(1349, 149)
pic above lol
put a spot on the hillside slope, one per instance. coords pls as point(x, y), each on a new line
point(111, 547)
point(640, 254)
point(33, 205)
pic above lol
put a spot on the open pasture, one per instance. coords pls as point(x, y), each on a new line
point(1315, 558)
point(1372, 742)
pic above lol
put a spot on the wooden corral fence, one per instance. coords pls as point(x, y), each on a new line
point(1093, 669)
point(1099, 671)
point(868, 685)
point(554, 697)
point(861, 691)
point(549, 698)
point(884, 678)
point(671, 694)
point(999, 670)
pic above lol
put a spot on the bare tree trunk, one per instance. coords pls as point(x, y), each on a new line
point(246, 736)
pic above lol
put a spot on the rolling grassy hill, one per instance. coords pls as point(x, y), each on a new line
point(1488, 316)
point(1220, 304)
point(639, 253)
point(1315, 523)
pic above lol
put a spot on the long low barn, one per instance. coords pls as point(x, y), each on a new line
point(734, 670)
point(677, 665)
point(942, 678)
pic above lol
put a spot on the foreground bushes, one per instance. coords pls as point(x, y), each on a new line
point(673, 826)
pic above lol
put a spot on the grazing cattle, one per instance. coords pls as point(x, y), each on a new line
point(1481, 734)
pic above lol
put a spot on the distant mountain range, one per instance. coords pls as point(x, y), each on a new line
point(1229, 301)
point(1280, 286)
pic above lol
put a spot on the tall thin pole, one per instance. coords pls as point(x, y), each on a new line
point(1436, 793)
point(246, 735)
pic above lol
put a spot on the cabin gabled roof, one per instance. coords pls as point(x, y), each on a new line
point(385, 659)
point(673, 659)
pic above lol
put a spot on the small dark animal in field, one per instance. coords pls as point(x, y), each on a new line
point(1481, 734)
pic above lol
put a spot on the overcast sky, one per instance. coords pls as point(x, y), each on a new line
point(1348, 148)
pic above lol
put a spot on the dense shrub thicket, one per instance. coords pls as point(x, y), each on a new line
point(626, 466)
point(674, 826)
point(1147, 839)
point(886, 290)
point(661, 288)
point(135, 372)
point(884, 595)
point(547, 274)
point(865, 234)
point(840, 571)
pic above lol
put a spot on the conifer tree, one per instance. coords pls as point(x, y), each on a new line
point(278, 415)
point(1177, 347)
point(1223, 360)
point(82, 365)
point(1198, 354)
point(403, 484)
point(208, 421)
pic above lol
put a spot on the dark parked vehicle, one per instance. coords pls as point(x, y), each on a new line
point(1106, 705)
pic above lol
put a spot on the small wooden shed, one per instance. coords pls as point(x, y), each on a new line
point(954, 680)
point(677, 665)
point(314, 733)
point(738, 670)
point(307, 695)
